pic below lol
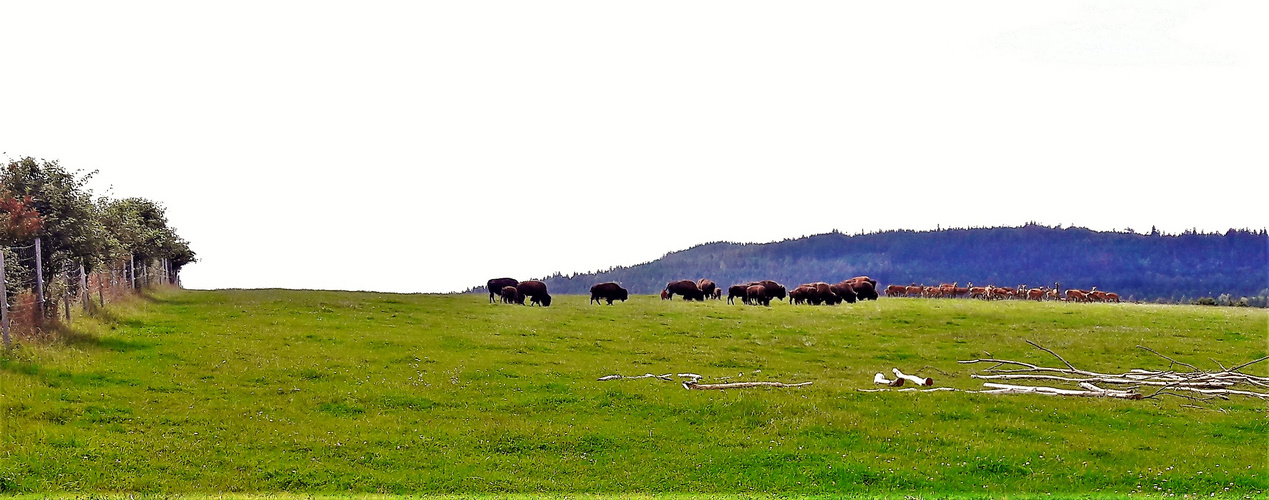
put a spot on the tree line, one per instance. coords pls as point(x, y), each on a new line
point(42, 199)
point(1143, 267)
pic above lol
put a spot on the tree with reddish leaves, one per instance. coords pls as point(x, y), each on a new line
point(20, 222)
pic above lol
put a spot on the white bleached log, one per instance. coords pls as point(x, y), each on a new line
point(1053, 391)
point(881, 380)
point(914, 379)
point(691, 384)
point(914, 389)
point(623, 377)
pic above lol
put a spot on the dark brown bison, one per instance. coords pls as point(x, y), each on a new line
point(857, 279)
point(496, 284)
point(801, 294)
point(509, 294)
point(737, 291)
point(608, 291)
point(863, 290)
point(824, 294)
point(757, 294)
point(718, 293)
point(686, 288)
point(706, 286)
point(535, 291)
point(845, 291)
point(774, 290)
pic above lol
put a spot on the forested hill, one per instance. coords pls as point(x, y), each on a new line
point(1143, 267)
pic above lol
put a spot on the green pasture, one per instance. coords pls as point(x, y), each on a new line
point(310, 392)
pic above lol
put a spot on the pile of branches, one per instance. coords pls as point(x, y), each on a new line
point(1194, 383)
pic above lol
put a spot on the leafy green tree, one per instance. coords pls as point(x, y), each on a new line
point(139, 228)
point(71, 233)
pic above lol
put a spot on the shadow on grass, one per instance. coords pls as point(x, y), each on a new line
point(70, 336)
point(55, 331)
point(151, 295)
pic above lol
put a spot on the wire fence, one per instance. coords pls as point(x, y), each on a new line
point(36, 304)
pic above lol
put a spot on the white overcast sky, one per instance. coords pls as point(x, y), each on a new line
point(430, 145)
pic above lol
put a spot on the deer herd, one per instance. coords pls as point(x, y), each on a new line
point(992, 292)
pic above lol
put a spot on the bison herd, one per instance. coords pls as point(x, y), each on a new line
point(510, 291)
point(761, 292)
point(514, 292)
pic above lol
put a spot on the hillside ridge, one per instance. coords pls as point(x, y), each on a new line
point(1153, 266)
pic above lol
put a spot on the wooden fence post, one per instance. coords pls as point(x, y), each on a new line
point(4, 305)
point(83, 288)
point(39, 282)
point(66, 294)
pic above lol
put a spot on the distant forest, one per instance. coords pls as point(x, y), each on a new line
point(1142, 267)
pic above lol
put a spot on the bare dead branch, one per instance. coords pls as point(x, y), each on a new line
point(1244, 365)
point(941, 372)
point(1042, 348)
point(1108, 379)
point(1195, 368)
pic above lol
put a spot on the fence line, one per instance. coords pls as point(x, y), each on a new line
point(27, 299)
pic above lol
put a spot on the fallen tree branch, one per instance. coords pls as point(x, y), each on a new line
point(914, 389)
point(1244, 365)
point(646, 375)
point(1156, 353)
point(1042, 348)
point(692, 384)
point(1053, 391)
point(1109, 380)
point(1169, 382)
point(881, 380)
point(941, 372)
point(917, 380)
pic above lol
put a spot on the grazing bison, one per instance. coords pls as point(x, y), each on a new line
point(863, 289)
point(706, 286)
point(858, 279)
point(495, 286)
point(535, 291)
point(801, 294)
point(608, 291)
point(774, 290)
point(665, 295)
point(737, 291)
point(824, 294)
point(845, 291)
point(686, 288)
point(718, 293)
point(757, 294)
point(509, 295)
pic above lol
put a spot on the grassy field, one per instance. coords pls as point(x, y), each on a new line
point(328, 392)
